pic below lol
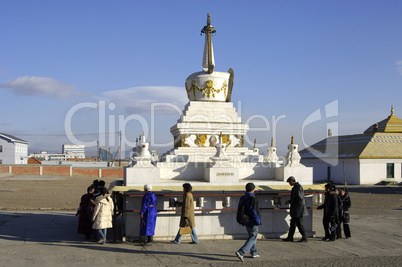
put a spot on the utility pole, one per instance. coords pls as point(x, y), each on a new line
point(97, 150)
point(120, 149)
point(344, 173)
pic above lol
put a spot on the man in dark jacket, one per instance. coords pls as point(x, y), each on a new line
point(252, 227)
point(297, 211)
point(330, 218)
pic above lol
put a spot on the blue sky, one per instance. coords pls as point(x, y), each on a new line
point(110, 60)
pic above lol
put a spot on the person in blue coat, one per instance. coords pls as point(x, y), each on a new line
point(148, 214)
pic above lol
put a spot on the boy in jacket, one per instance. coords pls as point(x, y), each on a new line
point(252, 227)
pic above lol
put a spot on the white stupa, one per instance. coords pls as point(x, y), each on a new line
point(208, 113)
point(209, 139)
point(209, 153)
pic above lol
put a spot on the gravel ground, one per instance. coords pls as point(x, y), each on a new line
point(38, 228)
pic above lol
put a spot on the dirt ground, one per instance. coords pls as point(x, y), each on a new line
point(38, 228)
point(57, 195)
point(64, 194)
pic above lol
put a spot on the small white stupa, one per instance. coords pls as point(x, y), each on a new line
point(271, 156)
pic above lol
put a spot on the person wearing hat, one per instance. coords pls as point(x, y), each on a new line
point(148, 214)
point(251, 206)
point(297, 210)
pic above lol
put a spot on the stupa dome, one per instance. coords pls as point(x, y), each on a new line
point(209, 85)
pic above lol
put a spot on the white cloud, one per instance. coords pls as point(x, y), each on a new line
point(38, 86)
point(399, 66)
point(139, 99)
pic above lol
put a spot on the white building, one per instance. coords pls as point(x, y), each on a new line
point(73, 151)
point(43, 155)
point(13, 150)
point(368, 158)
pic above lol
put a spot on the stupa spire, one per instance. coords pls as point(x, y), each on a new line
point(392, 110)
point(208, 61)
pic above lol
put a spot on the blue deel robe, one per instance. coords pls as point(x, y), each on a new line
point(148, 221)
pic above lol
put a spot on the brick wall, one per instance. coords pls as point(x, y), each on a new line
point(3, 168)
point(63, 171)
point(56, 170)
point(113, 173)
point(26, 170)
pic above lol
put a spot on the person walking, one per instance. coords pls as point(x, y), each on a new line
point(344, 217)
point(148, 214)
point(297, 210)
point(251, 208)
point(187, 214)
point(330, 219)
point(102, 217)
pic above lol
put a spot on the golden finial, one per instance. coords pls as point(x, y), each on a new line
point(392, 110)
point(272, 142)
point(255, 143)
point(143, 133)
point(292, 140)
point(209, 30)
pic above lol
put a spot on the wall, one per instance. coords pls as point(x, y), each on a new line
point(62, 170)
point(7, 156)
point(214, 224)
point(56, 170)
point(373, 171)
point(357, 171)
point(27, 169)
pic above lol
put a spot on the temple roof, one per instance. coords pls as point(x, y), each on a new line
point(380, 140)
point(377, 145)
point(392, 124)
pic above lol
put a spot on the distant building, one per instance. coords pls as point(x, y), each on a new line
point(73, 151)
point(43, 155)
point(368, 158)
point(68, 152)
point(105, 154)
point(13, 150)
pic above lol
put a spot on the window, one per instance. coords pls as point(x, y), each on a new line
point(1, 161)
point(390, 170)
point(1, 148)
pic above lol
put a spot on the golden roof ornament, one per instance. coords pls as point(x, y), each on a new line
point(208, 58)
point(392, 110)
point(208, 84)
point(255, 143)
point(292, 140)
point(272, 142)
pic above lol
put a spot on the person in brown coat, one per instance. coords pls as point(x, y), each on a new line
point(187, 214)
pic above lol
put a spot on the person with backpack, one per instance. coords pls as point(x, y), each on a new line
point(248, 214)
point(297, 210)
